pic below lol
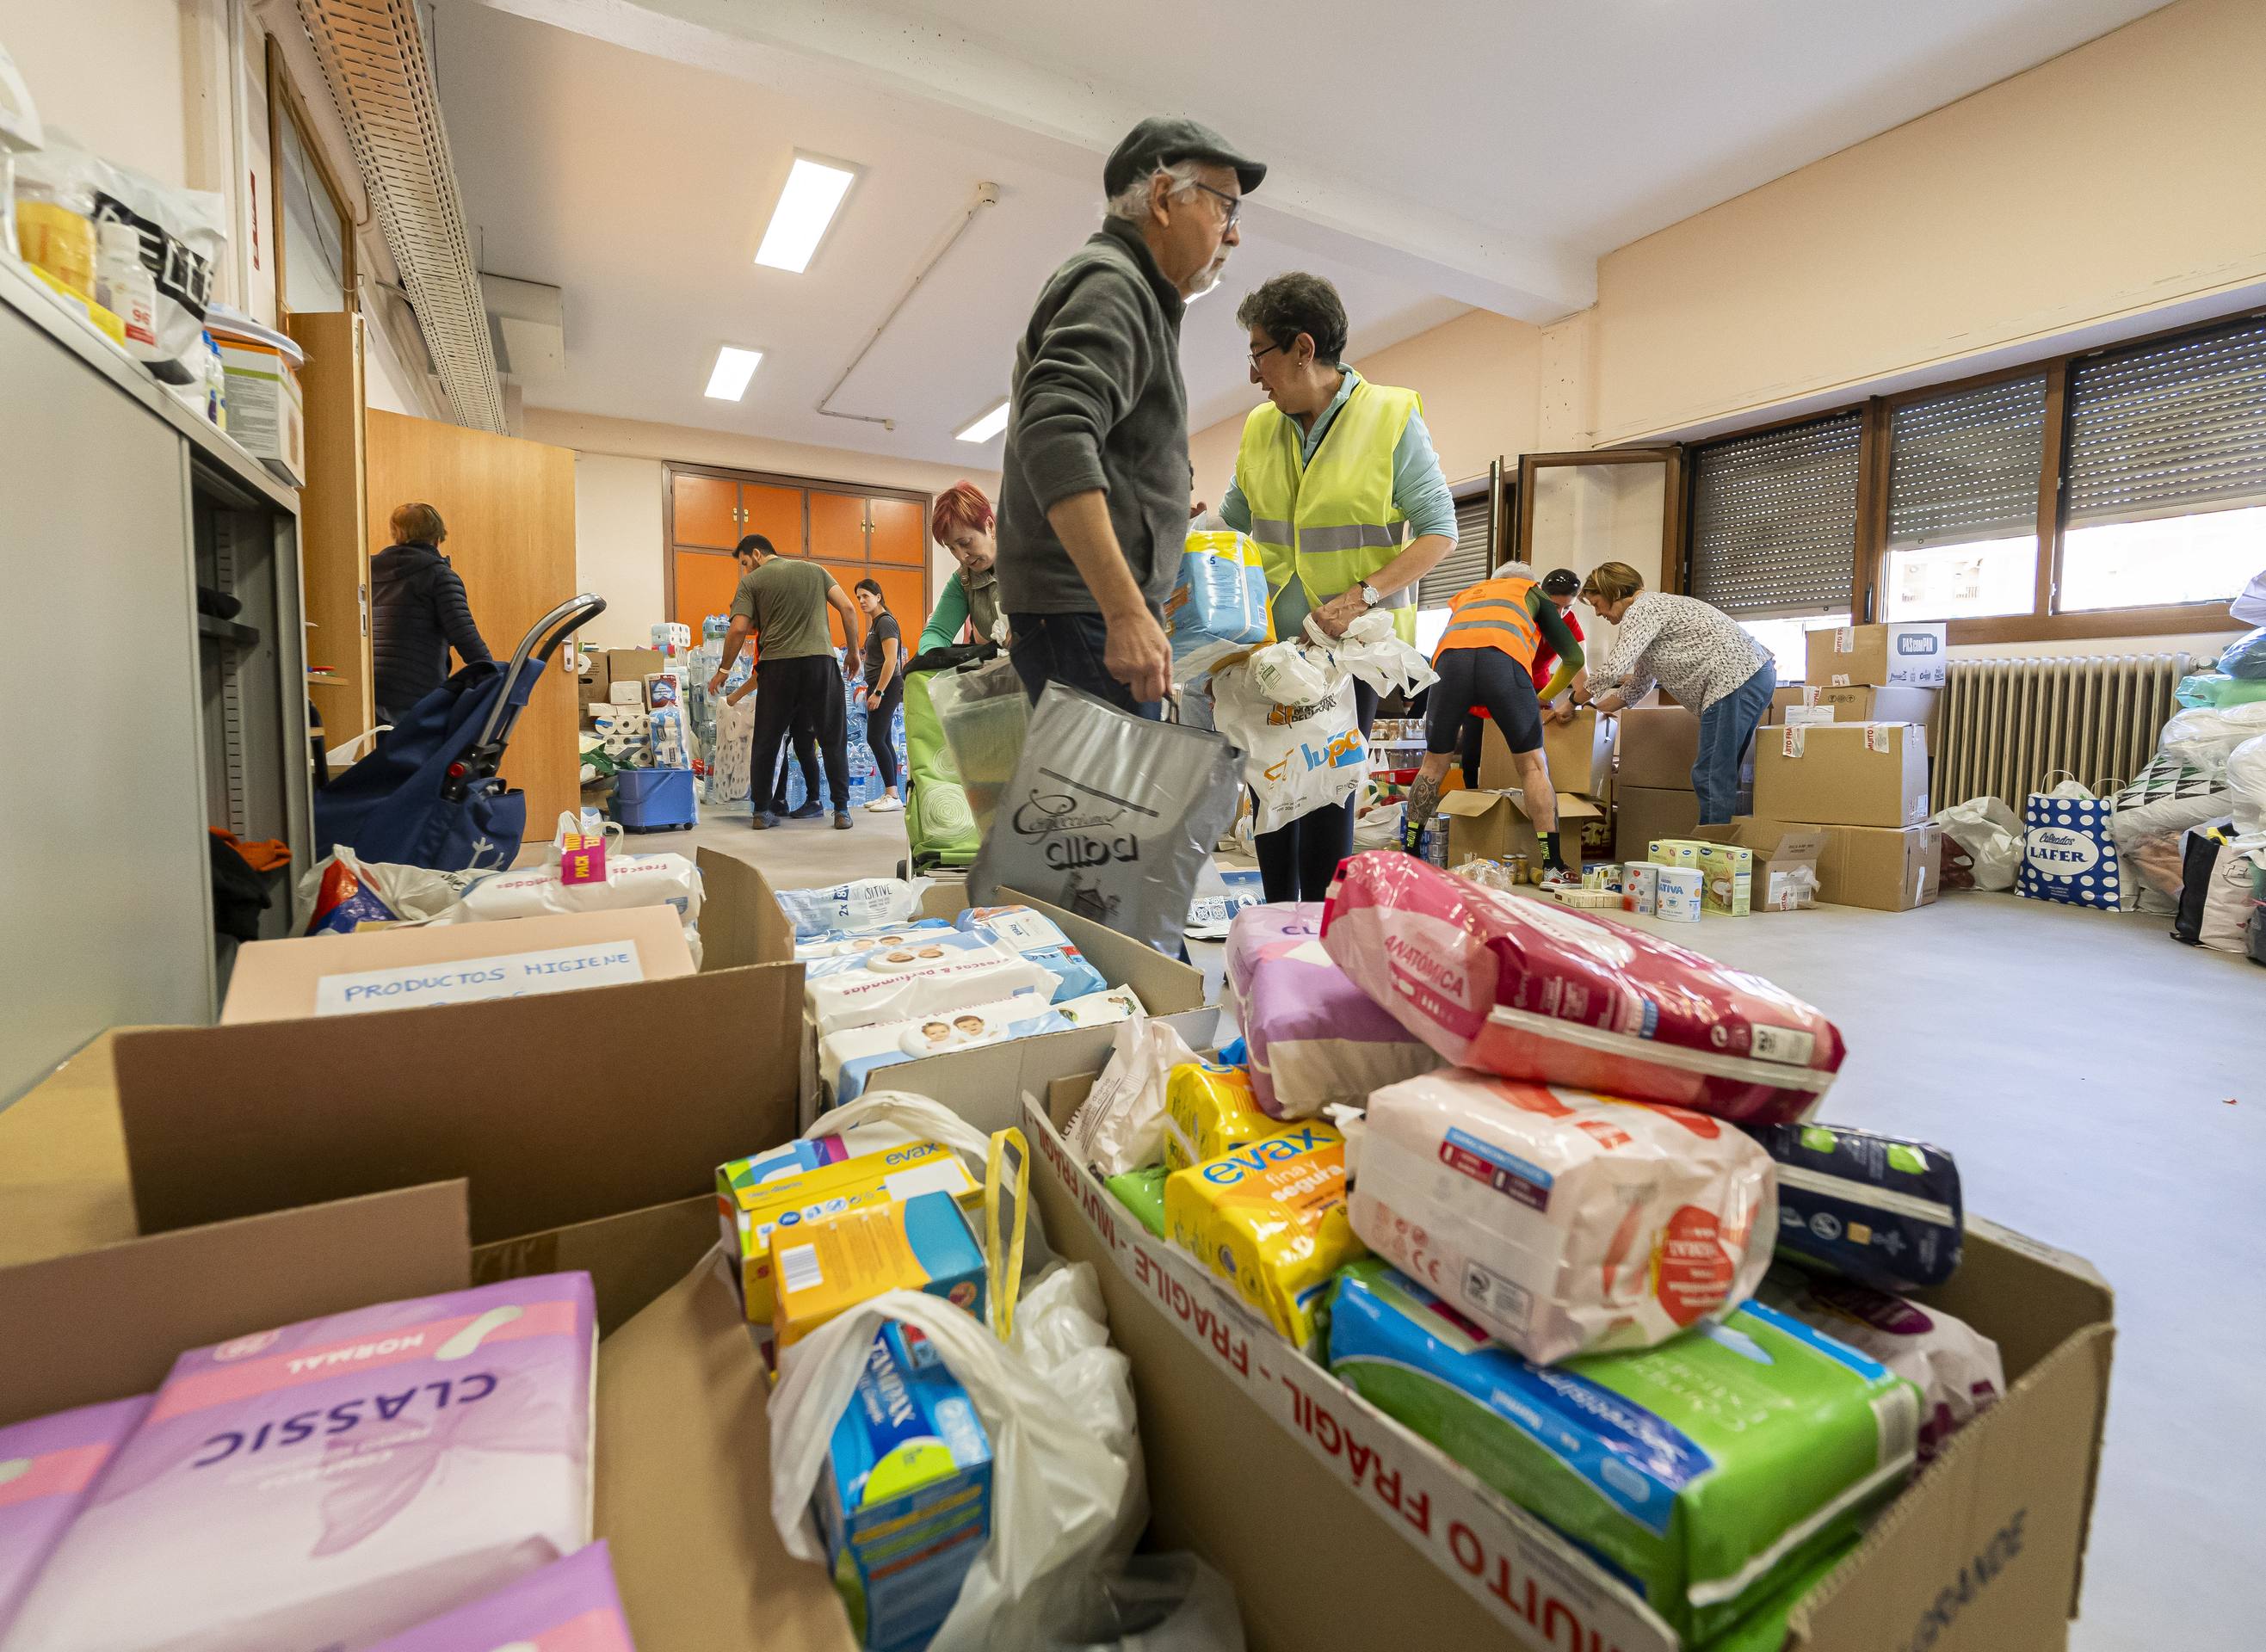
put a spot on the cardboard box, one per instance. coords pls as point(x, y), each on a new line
point(609, 666)
point(1783, 875)
point(1580, 755)
point(1727, 872)
point(1225, 1406)
point(1844, 774)
point(266, 409)
point(398, 969)
point(1491, 825)
point(1658, 746)
point(1888, 871)
point(1857, 704)
point(1643, 815)
point(1904, 655)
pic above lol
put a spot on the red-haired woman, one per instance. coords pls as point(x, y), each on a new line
point(962, 525)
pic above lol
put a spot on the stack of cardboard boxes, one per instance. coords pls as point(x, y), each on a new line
point(1489, 820)
point(1846, 753)
point(1653, 797)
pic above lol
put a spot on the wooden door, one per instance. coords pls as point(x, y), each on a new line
point(900, 532)
point(837, 528)
point(704, 510)
point(509, 507)
point(776, 513)
point(334, 541)
point(905, 592)
point(705, 582)
point(846, 575)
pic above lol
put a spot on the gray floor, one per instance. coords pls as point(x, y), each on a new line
point(2099, 1084)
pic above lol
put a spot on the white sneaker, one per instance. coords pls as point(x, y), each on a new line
point(885, 803)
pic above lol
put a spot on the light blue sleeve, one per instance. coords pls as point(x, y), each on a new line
point(1419, 492)
point(1234, 509)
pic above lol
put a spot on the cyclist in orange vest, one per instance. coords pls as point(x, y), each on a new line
point(1486, 657)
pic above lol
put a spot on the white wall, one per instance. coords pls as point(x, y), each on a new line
point(617, 546)
point(108, 72)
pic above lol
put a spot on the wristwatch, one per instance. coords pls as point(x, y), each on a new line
point(1369, 598)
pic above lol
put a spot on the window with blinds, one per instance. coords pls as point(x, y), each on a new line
point(1964, 503)
point(1774, 519)
point(1471, 560)
point(2164, 479)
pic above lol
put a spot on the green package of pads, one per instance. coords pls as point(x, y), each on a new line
point(1710, 1471)
point(1142, 1193)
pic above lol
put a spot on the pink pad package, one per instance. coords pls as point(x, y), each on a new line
point(1529, 989)
point(318, 1487)
point(570, 1605)
point(1315, 1038)
point(48, 1466)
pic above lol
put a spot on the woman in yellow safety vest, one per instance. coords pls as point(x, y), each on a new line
point(1486, 657)
point(1332, 476)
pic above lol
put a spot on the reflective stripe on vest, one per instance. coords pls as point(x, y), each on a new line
point(1494, 614)
point(1330, 524)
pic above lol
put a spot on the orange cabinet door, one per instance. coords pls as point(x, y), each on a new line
point(846, 574)
point(776, 513)
point(900, 530)
point(837, 528)
point(900, 589)
point(706, 511)
point(705, 581)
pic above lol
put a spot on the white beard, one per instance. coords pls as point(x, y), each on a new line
point(1209, 279)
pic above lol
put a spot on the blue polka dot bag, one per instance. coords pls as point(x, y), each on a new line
point(2067, 852)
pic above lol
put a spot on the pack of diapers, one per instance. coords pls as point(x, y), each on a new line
point(1563, 1222)
point(848, 1060)
point(48, 1466)
point(850, 943)
point(934, 972)
point(1709, 1470)
point(1535, 990)
point(1269, 1217)
point(858, 904)
point(570, 1605)
point(1314, 1038)
point(336, 1481)
point(1040, 940)
point(1954, 1366)
point(1209, 1108)
point(1882, 1210)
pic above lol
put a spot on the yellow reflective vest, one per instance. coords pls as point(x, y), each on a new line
point(1331, 523)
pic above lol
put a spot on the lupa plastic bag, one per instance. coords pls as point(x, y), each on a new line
point(1987, 829)
point(1110, 816)
point(1295, 758)
point(1055, 1403)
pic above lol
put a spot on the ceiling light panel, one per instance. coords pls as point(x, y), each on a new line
point(986, 427)
point(806, 206)
point(735, 366)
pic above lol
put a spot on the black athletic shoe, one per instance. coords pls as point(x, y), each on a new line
point(808, 811)
point(842, 820)
point(764, 822)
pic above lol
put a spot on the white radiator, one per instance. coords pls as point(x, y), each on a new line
point(2006, 724)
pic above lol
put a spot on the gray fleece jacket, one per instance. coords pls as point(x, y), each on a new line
point(1099, 403)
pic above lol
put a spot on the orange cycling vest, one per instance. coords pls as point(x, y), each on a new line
point(1492, 614)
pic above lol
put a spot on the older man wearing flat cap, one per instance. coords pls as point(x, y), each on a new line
point(1093, 506)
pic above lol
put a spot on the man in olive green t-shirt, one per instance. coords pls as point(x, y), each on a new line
point(783, 600)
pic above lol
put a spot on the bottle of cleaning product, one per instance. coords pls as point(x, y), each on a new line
point(122, 284)
point(216, 383)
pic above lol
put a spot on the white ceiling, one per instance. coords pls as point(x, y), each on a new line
point(1486, 154)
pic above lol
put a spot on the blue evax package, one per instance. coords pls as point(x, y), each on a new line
point(1882, 1211)
point(905, 1501)
point(1041, 940)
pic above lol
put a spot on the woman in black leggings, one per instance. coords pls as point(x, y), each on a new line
point(885, 687)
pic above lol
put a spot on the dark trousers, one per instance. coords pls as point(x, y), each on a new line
point(804, 754)
point(1067, 648)
point(791, 698)
point(1298, 861)
point(877, 732)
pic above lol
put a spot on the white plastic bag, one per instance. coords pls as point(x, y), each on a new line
point(1284, 675)
point(379, 892)
point(1372, 651)
point(1158, 1602)
point(1120, 1126)
point(2245, 778)
point(1987, 829)
point(2206, 736)
point(1056, 1403)
point(1295, 758)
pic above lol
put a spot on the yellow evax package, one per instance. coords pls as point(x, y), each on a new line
point(1270, 1216)
point(1208, 1110)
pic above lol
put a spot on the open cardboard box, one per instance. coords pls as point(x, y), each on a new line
point(1339, 1528)
point(1579, 755)
point(1493, 824)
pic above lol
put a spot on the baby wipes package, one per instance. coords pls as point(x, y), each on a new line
point(848, 1060)
point(1208, 1109)
point(1882, 1210)
point(1269, 1217)
point(1954, 1366)
point(850, 943)
point(570, 1605)
point(933, 972)
point(336, 1481)
point(1707, 1470)
point(1040, 940)
point(48, 1466)
point(827, 1266)
point(904, 1499)
point(1563, 1222)
point(857, 904)
point(1315, 1039)
point(1534, 990)
point(750, 1212)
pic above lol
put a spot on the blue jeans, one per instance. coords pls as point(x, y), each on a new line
point(1067, 648)
point(1725, 729)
